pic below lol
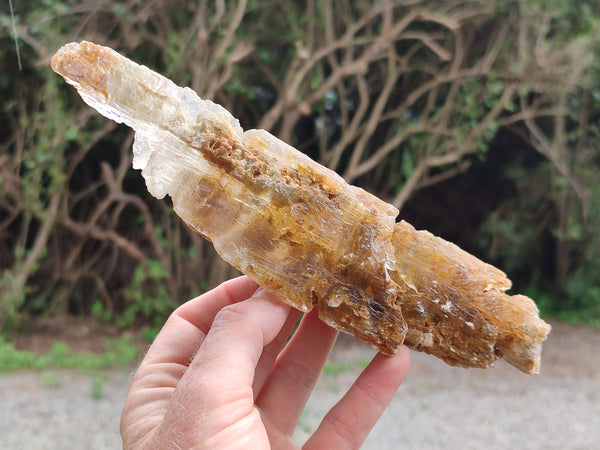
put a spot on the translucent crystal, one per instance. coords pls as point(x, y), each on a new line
point(299, 230)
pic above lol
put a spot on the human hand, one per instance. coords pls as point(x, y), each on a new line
point(220, 375)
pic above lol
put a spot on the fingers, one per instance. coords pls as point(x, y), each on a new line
point(213, 401)
point(172, 351)
point(271, 351)
point(295, 373)
point(202, 310)
point(222, 372)
point(214, 358)
point(349, 422)
point(186, 328)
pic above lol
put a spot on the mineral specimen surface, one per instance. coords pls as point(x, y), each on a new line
point(300, 230)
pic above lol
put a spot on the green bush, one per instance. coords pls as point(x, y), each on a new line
point(120, 352)
point(378, 91)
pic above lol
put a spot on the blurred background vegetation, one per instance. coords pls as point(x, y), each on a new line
point(478, 119)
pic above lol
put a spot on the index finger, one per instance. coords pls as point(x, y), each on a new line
point(188, 325)
point(172, 352)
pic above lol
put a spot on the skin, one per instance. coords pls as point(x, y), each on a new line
point(220, 375)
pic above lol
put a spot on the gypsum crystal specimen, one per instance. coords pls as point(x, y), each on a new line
point(301, 231)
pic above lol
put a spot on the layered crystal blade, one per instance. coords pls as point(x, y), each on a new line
point(300, 230)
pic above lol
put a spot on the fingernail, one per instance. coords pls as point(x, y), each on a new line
point(262, 292)
point(271, 297)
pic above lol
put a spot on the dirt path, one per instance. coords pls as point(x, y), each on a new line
point(437, 406)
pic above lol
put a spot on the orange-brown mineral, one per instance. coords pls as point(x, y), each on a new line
point(300, 230)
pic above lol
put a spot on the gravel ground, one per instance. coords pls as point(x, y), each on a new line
point(437, 406)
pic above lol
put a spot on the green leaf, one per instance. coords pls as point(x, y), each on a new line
point(408, 164)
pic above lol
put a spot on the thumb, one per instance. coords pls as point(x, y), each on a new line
point(223, 368)
point(214, 398)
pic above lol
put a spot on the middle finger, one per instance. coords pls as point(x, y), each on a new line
point(295, 373)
